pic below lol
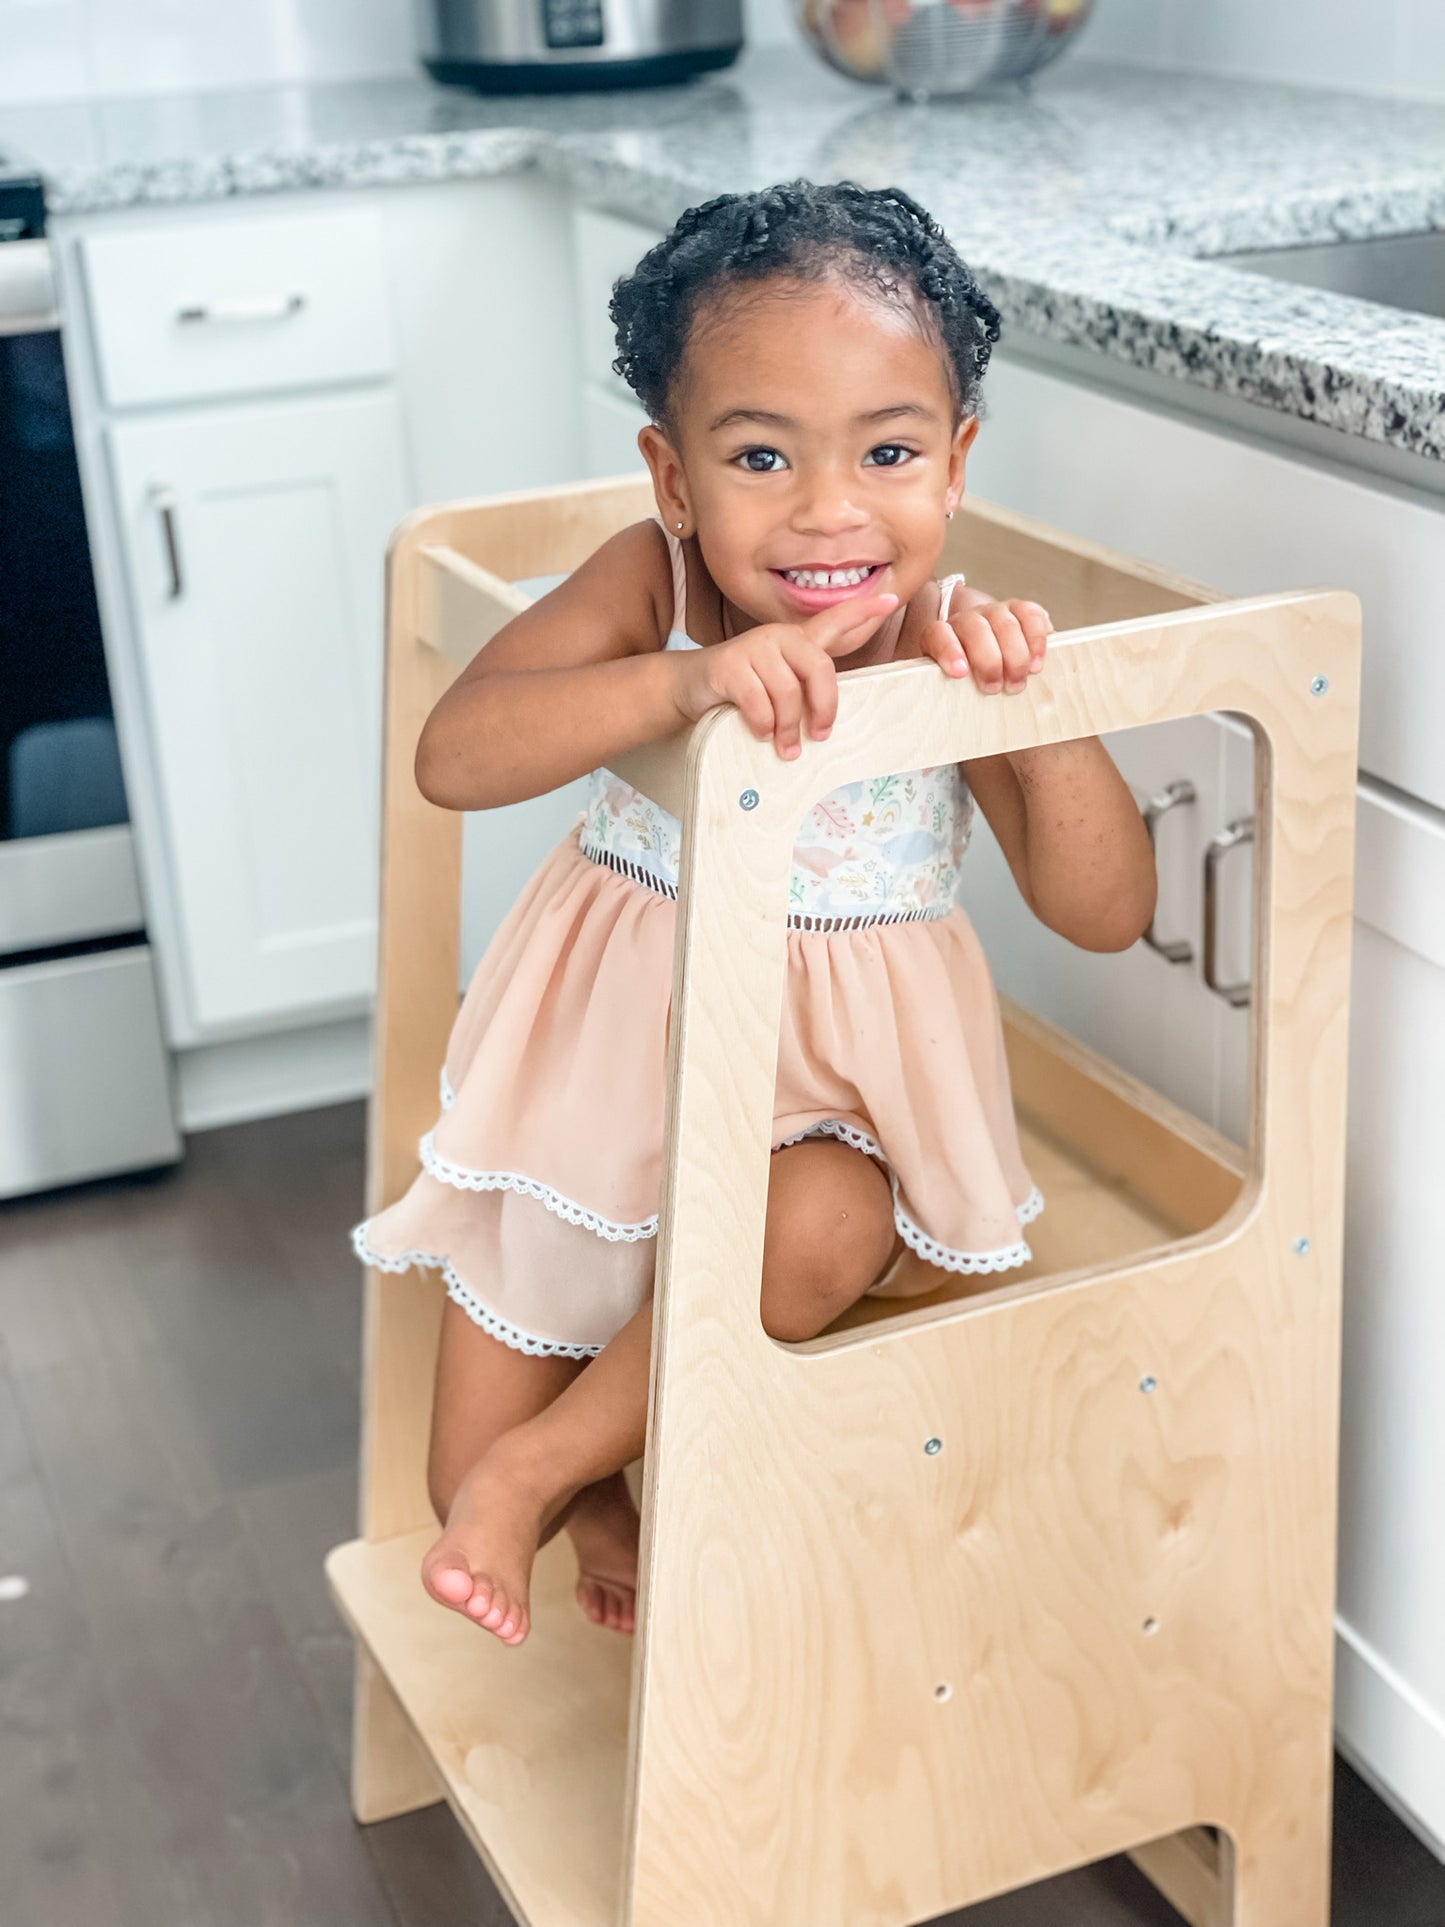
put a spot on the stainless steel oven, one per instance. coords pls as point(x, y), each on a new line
point(84, 1073)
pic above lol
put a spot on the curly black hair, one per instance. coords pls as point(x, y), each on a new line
point(806, 231)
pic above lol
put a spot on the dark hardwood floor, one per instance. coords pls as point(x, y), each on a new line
point(178, 1414)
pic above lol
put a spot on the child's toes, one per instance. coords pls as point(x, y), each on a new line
point(483, 1600)
point(448, 1579)
point(513, 1629)
point(592, 1600)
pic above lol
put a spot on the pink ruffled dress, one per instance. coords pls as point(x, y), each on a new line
point(539, 1184)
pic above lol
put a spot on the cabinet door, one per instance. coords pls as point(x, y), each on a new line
point(1152, 1016)
point(255, 540)
point(1390, 1703)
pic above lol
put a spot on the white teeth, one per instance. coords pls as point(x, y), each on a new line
point(827, 578)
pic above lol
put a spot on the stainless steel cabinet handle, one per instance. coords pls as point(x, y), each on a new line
point(1219, 846)
point(1173, 949)
point(261, 307)
point(165, 504)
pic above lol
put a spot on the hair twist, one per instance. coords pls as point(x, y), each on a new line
point(879, 237)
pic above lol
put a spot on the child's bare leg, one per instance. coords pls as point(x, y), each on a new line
point(829, 1235)
point(483, 1389)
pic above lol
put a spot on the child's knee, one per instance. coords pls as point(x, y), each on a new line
point(820, 1259)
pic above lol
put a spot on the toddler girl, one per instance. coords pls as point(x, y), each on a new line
point(810, 359)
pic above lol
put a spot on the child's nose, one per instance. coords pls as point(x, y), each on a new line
point(828, 509)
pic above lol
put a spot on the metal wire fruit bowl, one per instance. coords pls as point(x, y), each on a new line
point(926, 48)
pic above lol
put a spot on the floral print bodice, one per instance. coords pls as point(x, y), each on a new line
point(883, 849)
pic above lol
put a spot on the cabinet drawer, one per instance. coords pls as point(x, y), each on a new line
point(607, 248)
point(235, 305)
point(86, 1085)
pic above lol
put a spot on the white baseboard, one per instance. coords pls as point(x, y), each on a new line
point(293, 1070)
point(1391, 1736)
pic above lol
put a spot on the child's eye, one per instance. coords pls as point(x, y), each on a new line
point(889, 455)
point(761, 461)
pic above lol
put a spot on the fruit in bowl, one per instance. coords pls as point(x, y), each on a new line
point(927, 47)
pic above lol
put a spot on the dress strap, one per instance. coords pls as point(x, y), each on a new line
point(947, 589)
point(679, 577)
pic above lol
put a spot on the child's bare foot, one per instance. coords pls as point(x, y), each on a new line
point(482, 1564)
point(603, 1526)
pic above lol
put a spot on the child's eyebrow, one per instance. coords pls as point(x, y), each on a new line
point(769, 419)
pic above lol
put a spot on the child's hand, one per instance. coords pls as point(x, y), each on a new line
point(780, 671)
point(1002, 643)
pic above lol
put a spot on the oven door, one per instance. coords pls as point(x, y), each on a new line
point(84, 1073)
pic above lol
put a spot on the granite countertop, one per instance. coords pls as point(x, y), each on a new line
point(1088, 205)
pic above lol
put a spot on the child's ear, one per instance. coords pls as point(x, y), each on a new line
point(958, 457)
point(669, 481)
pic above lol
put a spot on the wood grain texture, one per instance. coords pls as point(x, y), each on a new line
point(871, 1685)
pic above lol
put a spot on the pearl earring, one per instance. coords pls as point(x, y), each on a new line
point(679, 528)
point(948, 515)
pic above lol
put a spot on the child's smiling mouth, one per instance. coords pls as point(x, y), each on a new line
point(818, 586)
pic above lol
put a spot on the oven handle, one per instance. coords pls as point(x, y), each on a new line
point(259, 307)
point(164, 502)
point(28, 301)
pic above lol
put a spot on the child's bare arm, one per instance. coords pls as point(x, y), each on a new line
point(1063, 815)
point(577, 678)
point(1074, 839)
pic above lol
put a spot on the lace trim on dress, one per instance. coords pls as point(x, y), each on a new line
point(480, 1314)
point(913, 1235)
point(462, 1178)
point(807, 920)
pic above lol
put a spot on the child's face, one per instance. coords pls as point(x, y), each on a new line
point(814, 430)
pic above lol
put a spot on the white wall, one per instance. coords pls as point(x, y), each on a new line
point(68, 49)
point(1368, 46)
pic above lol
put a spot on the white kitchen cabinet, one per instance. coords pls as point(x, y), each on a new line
point(1153, 1016)
point(1246, 518)
point(197, 308)
point(1391, 1676)
point(253, 540)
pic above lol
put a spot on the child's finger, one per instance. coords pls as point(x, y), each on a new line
point(785, 693)
point(1037, 627)
point(754, 703)
point(940, 640)
point(819, 678)
point(985, 658)
point(1008, 636)
point(847, 624)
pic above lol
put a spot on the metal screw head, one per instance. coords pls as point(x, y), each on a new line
point(1319, 685)
point(748, 800)
point(1148, 1383)
point(933, 1447)
point(1301, 1247)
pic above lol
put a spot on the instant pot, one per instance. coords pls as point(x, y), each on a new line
point(536, 46)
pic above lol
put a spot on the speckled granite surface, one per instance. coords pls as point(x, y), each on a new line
point(1085, 206)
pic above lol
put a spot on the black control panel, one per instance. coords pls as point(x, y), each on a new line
point(572, 23)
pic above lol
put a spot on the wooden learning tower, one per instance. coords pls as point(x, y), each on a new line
point(877, 1677)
